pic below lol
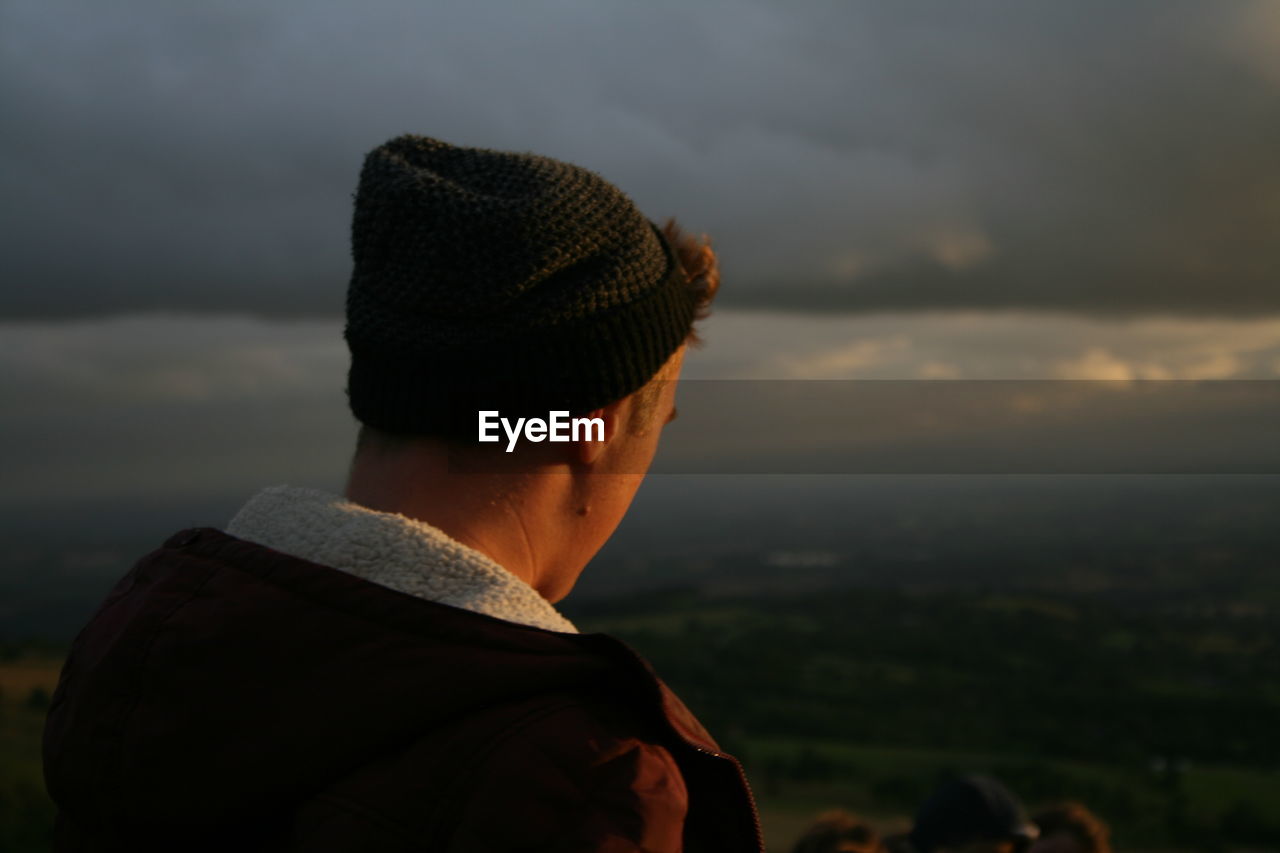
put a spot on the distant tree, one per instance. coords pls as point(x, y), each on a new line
point(774, 769)
point(811, 767)
point(899, 792)
point(38, 699)
point(1244, 823)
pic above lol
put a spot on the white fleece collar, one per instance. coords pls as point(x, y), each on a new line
point(392, 550)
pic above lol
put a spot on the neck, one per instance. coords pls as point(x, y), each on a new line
point(520, 520)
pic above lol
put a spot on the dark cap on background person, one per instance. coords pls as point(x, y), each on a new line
point(968, 809)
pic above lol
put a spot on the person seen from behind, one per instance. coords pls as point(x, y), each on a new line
point(838, 831)
point(971, 814)
point(1071, 828)
point(386, 669)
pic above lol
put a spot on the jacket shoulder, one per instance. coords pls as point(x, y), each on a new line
point(581, 777)
point(559, 772)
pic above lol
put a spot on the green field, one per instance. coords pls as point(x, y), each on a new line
point(796, 778)
point(1159, 717)
point(26, 815)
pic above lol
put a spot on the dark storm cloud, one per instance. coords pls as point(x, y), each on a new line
point(1098, 157)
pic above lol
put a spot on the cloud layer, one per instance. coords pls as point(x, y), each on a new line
point(1094, 157)
point(188, 406)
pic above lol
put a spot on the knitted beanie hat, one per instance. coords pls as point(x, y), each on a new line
point(497, 280)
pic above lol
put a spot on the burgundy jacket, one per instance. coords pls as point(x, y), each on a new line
point(227, 696)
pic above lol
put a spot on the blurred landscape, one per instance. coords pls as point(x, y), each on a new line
point(1111, 639)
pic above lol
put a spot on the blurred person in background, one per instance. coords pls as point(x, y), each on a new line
point(386, 669)
point(838, 831)
point(1070, 828)
point(971, 814)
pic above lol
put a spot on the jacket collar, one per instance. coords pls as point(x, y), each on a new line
point(392, 550)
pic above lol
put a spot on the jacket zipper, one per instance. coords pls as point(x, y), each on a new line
point(746, 787)
point(635, 659)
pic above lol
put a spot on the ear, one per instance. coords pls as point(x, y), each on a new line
point(587, 449)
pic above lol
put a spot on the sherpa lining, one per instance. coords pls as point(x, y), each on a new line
point(392, 550)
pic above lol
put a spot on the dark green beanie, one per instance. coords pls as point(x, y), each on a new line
point(498, 280)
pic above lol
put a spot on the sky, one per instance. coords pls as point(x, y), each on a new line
point(1098, 156)
point(897, 190)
